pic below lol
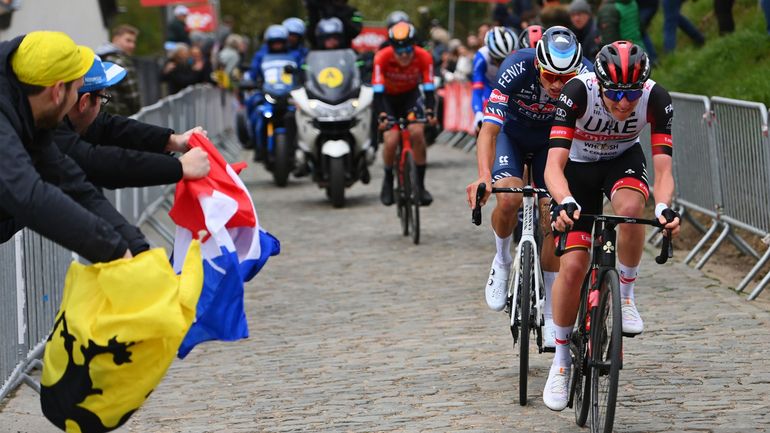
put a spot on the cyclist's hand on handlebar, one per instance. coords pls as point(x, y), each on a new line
point(432, 120)
point(382, 120)
point(669, 217)
point(471, 191)
point(477, 119)
point(565, 214)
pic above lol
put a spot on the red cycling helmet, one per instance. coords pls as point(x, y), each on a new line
point(622, 65)
point(530, 36)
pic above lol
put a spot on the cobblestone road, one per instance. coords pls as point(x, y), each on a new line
point(355, 329)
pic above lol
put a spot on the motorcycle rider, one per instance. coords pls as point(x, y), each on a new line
point(296, 40)
point(399, 69)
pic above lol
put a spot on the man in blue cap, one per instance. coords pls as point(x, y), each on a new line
point(119, 152)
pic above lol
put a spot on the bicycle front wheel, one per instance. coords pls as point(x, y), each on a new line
point(525, 286)
point(581, 374)
point(402, 192)
point(606, 345)
point(413, 198)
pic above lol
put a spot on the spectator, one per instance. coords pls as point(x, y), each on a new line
point(229, 57)
point(125, 96)
point(225, 29)
point(351, 19)
point(525, 10)
point(673, 19)
point(501, 16)
point(481, 32)
point(723, 9)
point(39, 76)
point(178, 71)
point(473, 43)
point(647, 10)
point(177, 28)
point(439, 40)
point(201, 65)
point(584, 27)
point(619, 20)
point(554, 13)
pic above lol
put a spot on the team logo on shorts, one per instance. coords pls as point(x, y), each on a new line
point(497, 97)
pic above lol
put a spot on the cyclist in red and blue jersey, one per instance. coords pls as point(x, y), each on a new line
point(595, 153)
point(499, 42)
point(399, 69)
point(517, 121)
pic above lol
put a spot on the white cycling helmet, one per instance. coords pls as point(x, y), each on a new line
point(501, 42)
point(559, 51)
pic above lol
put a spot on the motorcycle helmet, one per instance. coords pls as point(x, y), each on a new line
point(294, 25)
point(530, 36)
point(396, 17)
point(329, 28)
point(276, 37)
point(622, 65)
point(501, 41)
point(559, 51)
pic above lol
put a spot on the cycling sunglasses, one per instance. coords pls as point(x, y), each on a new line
point(618, 95)
point(404, 50)
point(551, 77)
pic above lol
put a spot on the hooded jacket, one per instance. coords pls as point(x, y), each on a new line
point(619, 20)
point(44, 190)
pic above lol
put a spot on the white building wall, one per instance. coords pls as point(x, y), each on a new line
point(81, 19)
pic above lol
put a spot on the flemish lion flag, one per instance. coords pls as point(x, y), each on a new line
point(117, 331)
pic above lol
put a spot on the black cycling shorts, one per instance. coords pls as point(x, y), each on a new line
point(405, 103)
point(590, 182)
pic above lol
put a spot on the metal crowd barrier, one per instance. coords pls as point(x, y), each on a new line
point(32, 269)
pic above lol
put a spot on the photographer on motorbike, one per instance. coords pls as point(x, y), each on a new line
point(399, 69)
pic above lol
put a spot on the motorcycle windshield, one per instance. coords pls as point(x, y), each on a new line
point(332, 75)
point(278, 82)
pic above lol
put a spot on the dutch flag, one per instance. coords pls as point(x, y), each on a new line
point(234, 249)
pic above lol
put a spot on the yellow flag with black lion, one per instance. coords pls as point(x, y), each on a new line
point(117, 331)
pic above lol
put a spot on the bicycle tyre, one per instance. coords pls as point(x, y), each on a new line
point(402, 184)
point(525, 302)
point(581, 374)
point(607, 344)
point(413, 199)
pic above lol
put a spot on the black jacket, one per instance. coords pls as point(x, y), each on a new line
point(43, 189)
point(127, 153)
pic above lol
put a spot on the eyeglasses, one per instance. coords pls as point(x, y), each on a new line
point(551, 77)
point(105, 97)
point(618, 95)
point(403, 50)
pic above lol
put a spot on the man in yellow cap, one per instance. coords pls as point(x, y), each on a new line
point(40, 188)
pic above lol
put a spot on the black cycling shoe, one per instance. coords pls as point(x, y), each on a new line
point(386, 194)
point(425, 197)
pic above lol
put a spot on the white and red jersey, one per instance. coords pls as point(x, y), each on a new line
point(584, 125)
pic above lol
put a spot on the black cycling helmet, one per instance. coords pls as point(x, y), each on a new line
point(530, 36)
point(401, 35)
point(396, 17)
point(622, 65)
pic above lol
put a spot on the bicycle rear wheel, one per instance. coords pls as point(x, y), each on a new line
point(413, 198)
point(581, 374)
point(525, 286)
point(606, 344)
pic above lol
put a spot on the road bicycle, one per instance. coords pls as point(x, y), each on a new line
point(596, 343)
point(525, 290)
point(407, 190)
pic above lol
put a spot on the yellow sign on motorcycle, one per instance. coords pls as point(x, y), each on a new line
point(330, 77)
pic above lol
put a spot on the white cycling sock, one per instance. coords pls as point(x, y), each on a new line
point(627, 280)
point(548, 279)
point(562, 358)
point(503, 256)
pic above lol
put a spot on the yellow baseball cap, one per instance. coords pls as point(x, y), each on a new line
point(44, 58)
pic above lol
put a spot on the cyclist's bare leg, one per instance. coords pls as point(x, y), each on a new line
point(566, 299)
point(417, 136)
point(629, 202)
point(505, 215)
point(550, 264)
point(390, 141)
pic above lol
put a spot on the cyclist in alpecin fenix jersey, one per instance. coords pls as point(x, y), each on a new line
point(516, 122)
point(399, 69)
point(594, 149)
point(499, 42)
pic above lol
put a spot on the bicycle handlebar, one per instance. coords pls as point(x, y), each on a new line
point(666, 248)
point(476, 214)
point(401, 121)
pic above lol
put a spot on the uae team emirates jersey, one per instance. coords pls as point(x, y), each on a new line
point(584, 125)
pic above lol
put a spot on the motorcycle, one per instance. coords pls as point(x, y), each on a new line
point(271, 114)
point(333, 121)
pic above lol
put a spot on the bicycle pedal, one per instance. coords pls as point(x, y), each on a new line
point(549, 349)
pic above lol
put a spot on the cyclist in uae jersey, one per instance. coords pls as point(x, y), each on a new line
point(399, 69)
point(499, 42)
point(595, 152)
point(517, 121)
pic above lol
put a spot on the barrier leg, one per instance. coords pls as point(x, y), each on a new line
point(753, 272)
point(470, 143)
point(743, 246)
point(701, 242)
point(757, 290)
point(714, 247)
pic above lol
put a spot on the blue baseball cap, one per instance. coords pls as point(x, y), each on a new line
point(101, 75)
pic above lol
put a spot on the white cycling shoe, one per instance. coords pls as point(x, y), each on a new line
point(549, 334)
point(496, 290)
point(632, 321)
point(556, 392)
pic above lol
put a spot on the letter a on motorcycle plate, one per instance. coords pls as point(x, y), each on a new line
point(330, 77)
